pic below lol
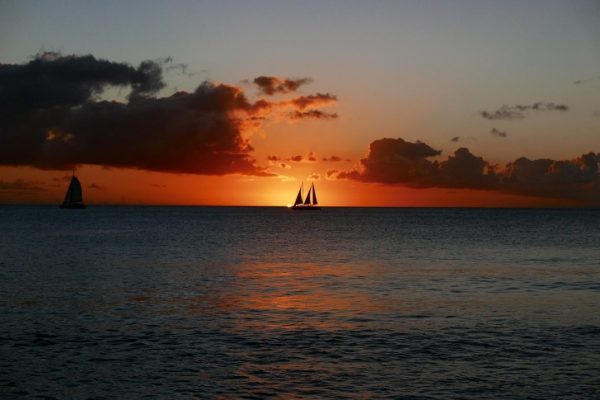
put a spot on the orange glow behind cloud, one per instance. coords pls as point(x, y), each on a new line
point(134, 187)
point(271, 145)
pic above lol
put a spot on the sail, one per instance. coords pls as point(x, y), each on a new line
point(310, 201)
point(299, 197)
point(74, 194)
point(67, 199)
point(307, 201)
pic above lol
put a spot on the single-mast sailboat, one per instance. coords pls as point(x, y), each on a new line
point(310, 203)
point(74, 196)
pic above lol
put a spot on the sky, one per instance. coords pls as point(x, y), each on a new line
point(380, 103)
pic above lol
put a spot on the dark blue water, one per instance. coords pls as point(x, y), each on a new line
point(136, 302)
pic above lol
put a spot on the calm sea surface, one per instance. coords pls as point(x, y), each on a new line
point(202, 302)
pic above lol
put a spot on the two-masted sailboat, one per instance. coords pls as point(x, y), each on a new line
point(310, 203)
point(74, 196)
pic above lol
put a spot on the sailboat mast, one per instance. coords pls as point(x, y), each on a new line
point(298, 197)
point(306, 200)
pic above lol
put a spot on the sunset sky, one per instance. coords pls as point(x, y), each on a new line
point(383, 103)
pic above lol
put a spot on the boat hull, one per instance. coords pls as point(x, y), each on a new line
point(306, 208)
point(76, 206)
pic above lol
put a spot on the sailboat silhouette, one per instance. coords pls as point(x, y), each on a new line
point(310, 203)
point(74, 196)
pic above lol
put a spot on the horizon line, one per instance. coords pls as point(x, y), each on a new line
point(322, 207)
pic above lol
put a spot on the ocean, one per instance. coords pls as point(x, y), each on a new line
point(251, 302)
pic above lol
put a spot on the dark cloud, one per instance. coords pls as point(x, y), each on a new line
point(498, 133)
point(312, 156)
point(332, 173)
point(52, 80)
point(462, 170)
point(96, 187)
point(571, 179)
point(314, 177)
point(285, 166)
point(187, 132)
point(395, 161)
point(333, 159)
point(273, 158)
point(518, 111)
point(455, 139)
point(52, 119)
point(297, 158)
point(271, 85)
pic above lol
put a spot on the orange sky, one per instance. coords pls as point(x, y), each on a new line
point(324, 145)
point(211, 90)
point(134, 187)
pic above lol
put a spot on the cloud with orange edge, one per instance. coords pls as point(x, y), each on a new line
point(396, 161)
point(53, 119)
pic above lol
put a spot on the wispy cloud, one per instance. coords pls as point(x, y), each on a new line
point(271, 85)
point(310, 157)
point(498, 133)
point(96, 186)
point(314, 100)
point(587, 80)
point(312, 114)
point(333, 159)
point(64, 178)
point(519, 111)
point(21, 185)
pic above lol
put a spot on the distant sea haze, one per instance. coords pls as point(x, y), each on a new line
point(251, 302)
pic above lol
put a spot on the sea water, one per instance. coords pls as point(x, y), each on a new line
point(242, 302)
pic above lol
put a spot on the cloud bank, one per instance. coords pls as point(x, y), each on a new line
point(52, 118)
point(396, 161)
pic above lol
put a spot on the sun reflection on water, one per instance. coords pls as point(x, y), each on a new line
point(303, 295)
